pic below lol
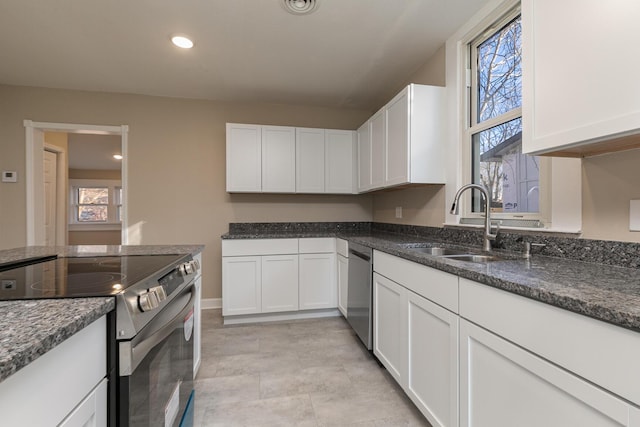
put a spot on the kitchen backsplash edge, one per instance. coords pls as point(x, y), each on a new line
point(623, 254)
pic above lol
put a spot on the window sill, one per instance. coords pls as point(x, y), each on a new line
point(109, 226)
point(528, 230)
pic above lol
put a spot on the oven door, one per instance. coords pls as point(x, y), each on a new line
point(155, 382)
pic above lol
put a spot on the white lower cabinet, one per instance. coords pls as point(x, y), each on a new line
point(390, 326)
point(503, 385)
point(415, 338)
point(65, 386)
point(317, 281)
point(432, 360)
point(241, 285)
point(279, 283)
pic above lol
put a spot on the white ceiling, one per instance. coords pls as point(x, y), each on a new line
point(94, 151)
point(348, 53)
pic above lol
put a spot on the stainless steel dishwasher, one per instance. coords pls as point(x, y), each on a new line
point(360, 292)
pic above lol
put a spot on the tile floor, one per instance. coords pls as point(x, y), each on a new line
point(298, 373)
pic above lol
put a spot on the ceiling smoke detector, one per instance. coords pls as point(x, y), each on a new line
point(300, 7)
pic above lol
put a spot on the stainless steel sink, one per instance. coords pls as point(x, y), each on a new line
point(436, 251)
point(474, 258)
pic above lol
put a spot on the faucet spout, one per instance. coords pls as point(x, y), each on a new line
point(488, 237)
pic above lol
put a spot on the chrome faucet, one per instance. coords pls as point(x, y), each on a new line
point(488, 237)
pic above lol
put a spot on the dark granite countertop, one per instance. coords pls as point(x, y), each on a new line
point(605, 292)
point(31, 328)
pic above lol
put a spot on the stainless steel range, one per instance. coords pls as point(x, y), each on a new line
point(151, 332)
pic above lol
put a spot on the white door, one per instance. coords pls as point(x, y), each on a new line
point(397, 143)
point(343, 279)
point(279, 283)
point(241, 285)
point(432, 369)
point(50, 197)
point(317, 283)
point(310, 160)
point(278, 159)
point(244, 158)
point(378, 148)
point(390, 326)
point(502, 385)
point(339, 161)
point(364, 157)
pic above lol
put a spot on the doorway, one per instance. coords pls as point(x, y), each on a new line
point(36, 232)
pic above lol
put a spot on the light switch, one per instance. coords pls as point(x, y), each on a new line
point(634, 215)
point(9, 176)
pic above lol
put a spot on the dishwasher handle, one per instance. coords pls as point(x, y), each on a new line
point(360, 255)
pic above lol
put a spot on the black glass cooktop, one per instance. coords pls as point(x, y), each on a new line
point(81, 277)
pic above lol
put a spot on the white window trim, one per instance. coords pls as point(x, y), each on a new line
point(112, 224)
point(561, 178)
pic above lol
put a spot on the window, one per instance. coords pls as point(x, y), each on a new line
point(495, 123)
point(95, 202)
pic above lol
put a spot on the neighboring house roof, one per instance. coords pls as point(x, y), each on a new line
point(495, 154)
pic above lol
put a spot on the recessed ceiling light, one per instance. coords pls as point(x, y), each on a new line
point(182, 41)
point(117, 156)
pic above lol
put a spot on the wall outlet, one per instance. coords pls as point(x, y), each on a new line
point(399, 212)
point(634, 215)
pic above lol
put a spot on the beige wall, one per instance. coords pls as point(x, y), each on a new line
point(176, 165)
point(107, 237)
point(95, 174)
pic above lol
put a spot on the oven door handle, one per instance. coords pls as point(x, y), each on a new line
point(133, 352)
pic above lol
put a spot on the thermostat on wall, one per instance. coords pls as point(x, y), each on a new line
point(9, 176)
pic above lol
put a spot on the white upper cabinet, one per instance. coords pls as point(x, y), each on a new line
point(339, 175)
point(278, 159)
point(310, 160)
point(244, 158)
point(364, 157)
point(404, 142)
point(580, 84)
point(415, 136)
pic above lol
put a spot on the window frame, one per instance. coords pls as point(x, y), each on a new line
point(113, 222)
point(472, 126)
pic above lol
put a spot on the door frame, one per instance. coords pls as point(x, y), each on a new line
point(35, 187)
point(61, 192)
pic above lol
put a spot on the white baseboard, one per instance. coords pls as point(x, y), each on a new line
point(209, 303)
point(274, 317)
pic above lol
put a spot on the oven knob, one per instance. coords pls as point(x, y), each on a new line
point(160, 293)
point(148, 301)
point(186, 268)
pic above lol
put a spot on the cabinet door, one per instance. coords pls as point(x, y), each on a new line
point(241, 285)
point(390, 326)
point(364, 157)
point(317, 281)
point(339, 161)
point(343, 283)
point(599, 101)
point(432, 363)
point(503, 385)
point(378, 148)
point(310, 160)
point(92, 411)
point(278, 159)
point(397, 141)
point(279, 283)
point(244, 158)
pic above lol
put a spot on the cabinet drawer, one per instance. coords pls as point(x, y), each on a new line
point(435, 285)
point(317, 245)
point(250, 247)
point(342, 247)
point(604, 354)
